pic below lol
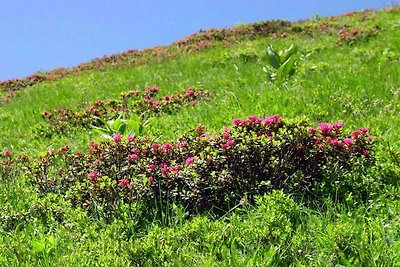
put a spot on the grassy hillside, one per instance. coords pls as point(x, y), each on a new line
point(348, 70)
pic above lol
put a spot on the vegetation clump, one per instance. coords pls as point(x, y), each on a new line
point(212, 171)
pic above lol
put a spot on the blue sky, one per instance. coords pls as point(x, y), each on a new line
point(41, 35)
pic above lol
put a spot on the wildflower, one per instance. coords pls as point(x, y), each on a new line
point(93, 176)
point(64, 149)
point(117, 137)
point(150, 180)
point(312, 131)
point(237, 122)
point(228, 144)
point(337, 124)
point(131, 186)
point(152, 167)
point(131, 139)
point(356, 133)
point(124, 182)
point(153, 89)
point(364, 130)
point(325, 128)
point(133, 156)
point(200, 128)
point(175, 169)
point(181, 144)
point(155, 146)
point(272, 119)
point(189, 160)
point(166, 146)
point(6, 153)
point(226, 136)
point(348, 141)
point(366, 153)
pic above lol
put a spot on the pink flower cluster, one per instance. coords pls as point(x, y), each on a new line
point(256, 120)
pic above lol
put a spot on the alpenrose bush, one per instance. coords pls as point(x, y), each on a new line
point(129, 103)
point(11, 166)
point(204, 171)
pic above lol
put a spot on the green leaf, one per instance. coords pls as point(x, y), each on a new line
point(285, 70)
point(116, 124)
point(224, 252)
point(122, 128)
point(273, 58)
point(284, 55)
point(39, 246)
point(133, 125)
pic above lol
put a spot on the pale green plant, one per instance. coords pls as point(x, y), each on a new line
point(282, 64)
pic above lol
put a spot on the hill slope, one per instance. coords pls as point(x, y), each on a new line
point(347, 70)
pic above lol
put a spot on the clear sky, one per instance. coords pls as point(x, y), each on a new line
point(39, 35)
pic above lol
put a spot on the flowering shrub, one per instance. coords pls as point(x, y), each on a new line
point(205, 39)
point(133, 102)
point(10, 165)
point(211, 171)
point(350, 36)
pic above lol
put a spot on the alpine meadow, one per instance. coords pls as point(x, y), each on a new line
point(268, 144)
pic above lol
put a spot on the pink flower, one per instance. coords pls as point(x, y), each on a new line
point(155, 146)
point(230, 143)
point(152, 167)
point(124, 182)
point(348, 141)
point(131, 139)
point(168, 97)
point(334, 142)
point(272, 119)
point(237, 122)
point(166, 146)
point(226, 136)
point(325, 128)
point(252, 119)
point(176, 169)
point(181, 144)
point(64, 149)
point(150, 180)
point(366, 153)
point(337, 124)
point(164, 169)
point(356, 133)
point(312, 131)
point(364, 130)
point(133, 156)
point(6, 153)
point(131, 186)
point(117, 137)
point(135, 150)
point(93, 176)
point(153, 89)
point(189, 160)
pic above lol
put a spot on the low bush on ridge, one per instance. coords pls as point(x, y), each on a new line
point(204, 171)
point(133, 102)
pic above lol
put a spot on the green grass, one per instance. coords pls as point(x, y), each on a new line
point(356, 84)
